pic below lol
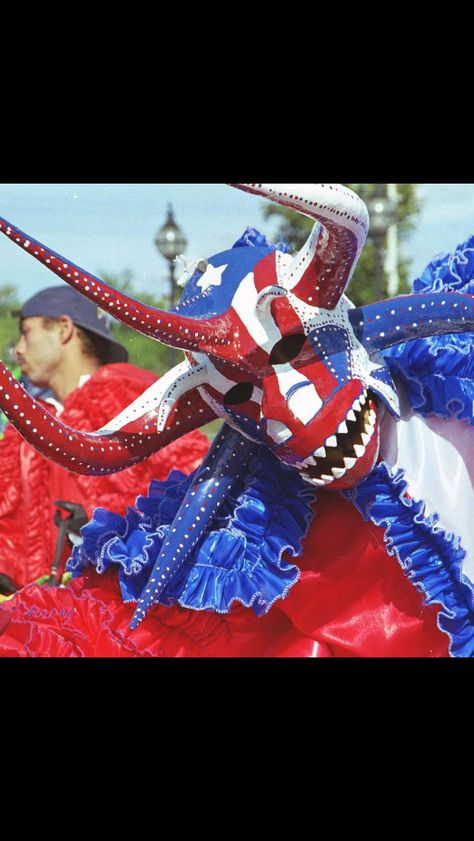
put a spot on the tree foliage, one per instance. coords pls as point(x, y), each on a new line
point(143, 351)
point(8, 325)
point(295, 229)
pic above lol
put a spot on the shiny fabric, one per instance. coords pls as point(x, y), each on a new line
point(352, 600)
point(240, 559)
point(430, 557)
point(378, 576)
point(29, 483)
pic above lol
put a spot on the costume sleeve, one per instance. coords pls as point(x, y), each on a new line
point(438, 372)
point(11, 519)
point(99, 400)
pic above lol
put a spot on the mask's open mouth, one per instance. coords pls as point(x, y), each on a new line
point(346, 449)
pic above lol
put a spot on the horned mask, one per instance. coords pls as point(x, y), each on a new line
point(272, 346)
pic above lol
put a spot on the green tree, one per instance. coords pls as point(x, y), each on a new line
point(295, 228)
point(143, 351)
point(8, 325)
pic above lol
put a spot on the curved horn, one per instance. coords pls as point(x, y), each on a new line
point(96, 453)
point(387, 323)
point(224, 464)
point(161, 397)
point(167, 327)
point(320, 272)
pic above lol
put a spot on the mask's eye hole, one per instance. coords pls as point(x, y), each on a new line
point(240, 393)
point(287, 348)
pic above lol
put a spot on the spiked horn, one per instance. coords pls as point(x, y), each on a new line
point(170, 328)
point(319, 274)
point(97, 453)
point(224, 464)
point(386, 323)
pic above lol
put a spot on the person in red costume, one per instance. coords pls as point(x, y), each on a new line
point(65, 346)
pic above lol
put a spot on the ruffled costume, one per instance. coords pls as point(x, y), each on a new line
point(284, 570)
point(30, 484)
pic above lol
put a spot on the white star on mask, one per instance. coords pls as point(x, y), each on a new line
point(211, 277)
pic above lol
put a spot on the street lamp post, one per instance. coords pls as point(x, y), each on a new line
point(382, 211)
point(171, 242)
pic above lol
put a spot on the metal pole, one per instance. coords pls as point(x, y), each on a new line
point(379, 267)
point(379, 243)
point(173, 353)
point(172, 283)
point(391, 262)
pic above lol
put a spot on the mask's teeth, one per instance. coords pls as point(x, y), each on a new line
point(339, 454)
point(327, 479)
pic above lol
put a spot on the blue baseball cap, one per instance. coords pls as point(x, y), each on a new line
point(56, 301)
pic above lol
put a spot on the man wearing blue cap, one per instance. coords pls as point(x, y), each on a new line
point(71, 342)
point(65, 345)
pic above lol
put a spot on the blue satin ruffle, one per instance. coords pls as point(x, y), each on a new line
point(449, 272)
point(253, 238)
point(438, 372)
point(238, 560)
point(430, 557)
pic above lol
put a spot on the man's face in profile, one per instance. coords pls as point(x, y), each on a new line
point(38, 350)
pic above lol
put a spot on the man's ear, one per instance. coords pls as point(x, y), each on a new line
point(66, 328)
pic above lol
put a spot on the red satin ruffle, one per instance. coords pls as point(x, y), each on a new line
point(352, 600)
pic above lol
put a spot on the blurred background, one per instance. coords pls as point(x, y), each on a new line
point(130, 234)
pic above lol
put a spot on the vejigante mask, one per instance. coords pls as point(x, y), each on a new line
point(272, 346)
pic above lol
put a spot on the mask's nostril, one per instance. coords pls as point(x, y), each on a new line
point(240, 393)
point(287, 349)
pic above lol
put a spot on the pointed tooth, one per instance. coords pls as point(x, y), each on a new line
point(362, 399)
point(349, 462)
point(359, 450)
point(320, 452)
point(309, 462)
point(342, 428)
point(331, 441)
point(338, 472)
point(319, 482)
point(351, 415)
point(365, 438)
point(327, 479)
point(356, 406)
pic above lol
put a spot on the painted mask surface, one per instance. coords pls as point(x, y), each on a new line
point(272, 346)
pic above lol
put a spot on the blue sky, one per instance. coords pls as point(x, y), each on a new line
point(111, 227)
